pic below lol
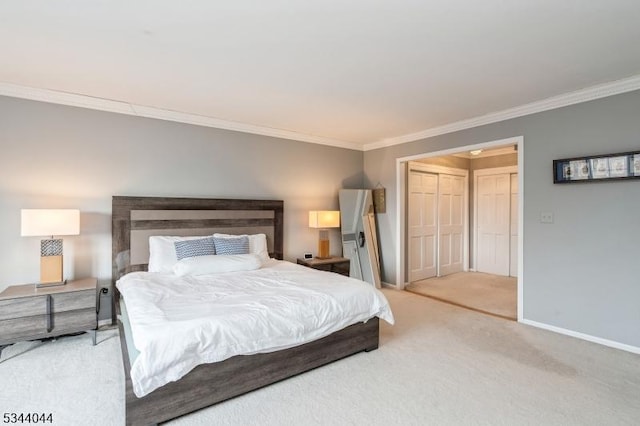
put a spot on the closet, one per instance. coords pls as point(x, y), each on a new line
point(437, 220)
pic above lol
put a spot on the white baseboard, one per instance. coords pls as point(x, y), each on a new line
point(587, 337)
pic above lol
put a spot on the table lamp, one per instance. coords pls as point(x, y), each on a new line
point(322, 220)
point(43, 222)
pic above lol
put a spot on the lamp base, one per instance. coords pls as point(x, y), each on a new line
point(51, 269)
point(323, 245)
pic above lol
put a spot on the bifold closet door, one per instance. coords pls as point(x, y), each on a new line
point(422, 225)
point(451, 211)
point(494, 224)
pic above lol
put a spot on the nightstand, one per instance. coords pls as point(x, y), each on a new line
point(30, 313)
point(339, 265)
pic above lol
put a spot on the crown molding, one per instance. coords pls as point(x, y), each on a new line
point(119, 107)
point(201, 120)
point(64, 98)
point(584, 95)
point(101, 104)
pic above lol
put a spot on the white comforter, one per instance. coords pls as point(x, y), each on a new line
point(180, 322)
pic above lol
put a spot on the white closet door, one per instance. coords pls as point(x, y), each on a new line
point(423, 225)
point(513, 268)
point(494, 223)
point(451, 211)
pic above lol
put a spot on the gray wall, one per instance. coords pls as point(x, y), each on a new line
point(503, 160)
point(448, 161)
point(582, 272)
point(64, 157)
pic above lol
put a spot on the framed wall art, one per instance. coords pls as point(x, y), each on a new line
point(625, 165)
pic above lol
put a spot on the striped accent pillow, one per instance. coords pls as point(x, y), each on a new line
point(193, 248)
point(238, 245)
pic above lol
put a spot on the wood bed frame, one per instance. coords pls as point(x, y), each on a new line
point(209, 384)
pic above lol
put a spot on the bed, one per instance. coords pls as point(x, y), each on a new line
point(137, 218)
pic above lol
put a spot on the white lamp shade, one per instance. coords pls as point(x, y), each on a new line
point(324, 219)
point(44, 222)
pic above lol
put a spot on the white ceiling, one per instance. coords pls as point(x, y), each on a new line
point(356, 72)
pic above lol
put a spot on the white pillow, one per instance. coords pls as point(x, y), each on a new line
point(162, 252)
point(213, 264)
point(257, 244)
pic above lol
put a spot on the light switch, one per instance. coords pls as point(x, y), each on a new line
point(546, 217)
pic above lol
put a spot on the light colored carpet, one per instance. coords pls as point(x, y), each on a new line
point(487, 293)
point(438, 365)
point(80, 384)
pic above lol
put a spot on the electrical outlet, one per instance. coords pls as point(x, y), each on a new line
point(546, 217)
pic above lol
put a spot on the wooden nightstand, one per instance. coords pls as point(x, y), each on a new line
point(339, 265)
point(30, 313)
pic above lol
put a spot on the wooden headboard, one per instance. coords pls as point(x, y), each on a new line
point(134, 219)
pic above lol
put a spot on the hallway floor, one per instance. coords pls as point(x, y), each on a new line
point(487, 293)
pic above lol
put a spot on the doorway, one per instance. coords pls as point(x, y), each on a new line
point(490, 237)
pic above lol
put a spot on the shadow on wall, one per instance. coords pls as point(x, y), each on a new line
point(355, 181)
point(92, 255)
point(89, 257)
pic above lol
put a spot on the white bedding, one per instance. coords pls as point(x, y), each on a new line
point(180, 322)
